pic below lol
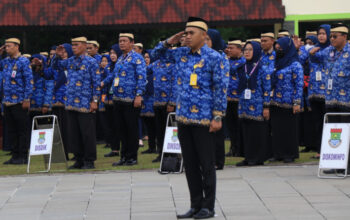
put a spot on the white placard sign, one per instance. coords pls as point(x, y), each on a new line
point(335, 146)
point(41, 142)
point(171, 141)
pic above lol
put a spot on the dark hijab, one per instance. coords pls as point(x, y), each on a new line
point(327, 28)
point(290, 53)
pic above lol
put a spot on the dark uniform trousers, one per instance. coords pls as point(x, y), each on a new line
point(112, 138)
point(17, 125)
point(82, 135)
point(151, 131)
point(232, 124)
point(317, 115)
point(61, 115)
point(198, 151)
point(161, 115)
point(219, 139)
point(126, 116)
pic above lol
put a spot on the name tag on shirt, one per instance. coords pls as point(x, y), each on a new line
point(66, 73)
point(330, 84)
point(13, 74)
point(193, 80)
point(247, 94)
point(318, 76)
point(116, 82)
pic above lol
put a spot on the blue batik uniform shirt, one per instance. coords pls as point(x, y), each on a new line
point(232, 94)
point(200, 102)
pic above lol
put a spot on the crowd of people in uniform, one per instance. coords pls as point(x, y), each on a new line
point(263, 90)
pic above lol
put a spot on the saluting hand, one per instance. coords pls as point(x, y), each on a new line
point(138, 102)
point(93, 106)
point(175, 39)
point(314, 50)
point(215, 126)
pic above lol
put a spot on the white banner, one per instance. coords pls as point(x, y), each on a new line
point(335, 146)
point(41, 142)
point(171, 141)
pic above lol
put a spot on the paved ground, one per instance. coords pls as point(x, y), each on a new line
point(242, 193)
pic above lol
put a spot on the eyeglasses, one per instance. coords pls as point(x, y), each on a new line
point(248, 50)
point(334, 36)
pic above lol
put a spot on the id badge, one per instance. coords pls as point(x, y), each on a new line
point(13, 74)
point(111, 91)
point(103, 98)
point(193, 80)
point(330, 84)
point(247, 94)
point(318, 76)
point(116, 81)
point(66, 73)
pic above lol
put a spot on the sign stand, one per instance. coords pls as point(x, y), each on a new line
point(46, 140)
point(334, 147)
point(171, 159)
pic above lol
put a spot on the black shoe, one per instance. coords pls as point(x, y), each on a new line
point(19, 161)
point(255, 163)
point(73, 158)
point(158, 159)
point(131, 162)
point(220, 167)
point(229, 154)
point(305, 150)
point(112, 154)
point(149, 151)
point(121, 162)
point(107, 146)
point(204, 213)
point(288, 160)
point(88, 165)
point(189, 214)
point(335, 171)
point(77, 165)
point(272, 159)
point(8, 161)
point(242, 163)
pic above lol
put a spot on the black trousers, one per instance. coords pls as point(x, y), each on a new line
point(126, 116)
point(318, 110)
point(219, 140)
point(198, 150)
point(161, 115)
point(151, 129)
point(339, 119)
point(61, 114)
point(256, 140)
point(232, 122)
point(17, 125)
point(112, 138)
point(82, 135)
point(285, 143)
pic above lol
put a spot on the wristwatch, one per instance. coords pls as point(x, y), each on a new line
point(217, 118)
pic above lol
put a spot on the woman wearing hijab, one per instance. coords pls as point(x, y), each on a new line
point(215, 42)
point(286, 101)
point(254, 99)
point(147, 111)
point(112, 140)
point(317, 89)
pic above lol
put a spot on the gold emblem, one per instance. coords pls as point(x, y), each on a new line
point(312, 69)
point(342, 92)
point(78, 83)
point(123, 73)
point(129, 59)
point(178, 106)
point(224, 90)
point(120, 90)
point(65, 98)
point(234, 92)
point(194, 109)
point(82, 67)
point(268, 77)
point(251, 108)
point(279, 95)
point(168, 64)
point(77, 100)
point(138, 61)
point(346, 55)
point(222, 65)
point(236, 64)
point(53, 97)
point(5, 66)
point(266, 93)
point(140, 77)
point(98, 72)
point(164, 94)
point(154, 78)
point(310, 86)
point(179, 81)
point(71, 66)
point(195, 87)
point(13, 82)
point(271, 57)
point(328, 92)
point(15, 67)
point(294, 76)
point(201, 63)
point(280, 76)
point(32, 102)
point(341, 74)
point(32, 82)
point(164, 78)
point(184, 59)
point(227, 74)
point(322, 86)
point(253, 91)
point(234, 78)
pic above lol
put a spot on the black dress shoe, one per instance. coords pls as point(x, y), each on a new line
point(149, 151)
point(112, 154)
point(229, 154)
point(220, 167)
point(242, 163)
point(189, 214)
point(18, 161)
point(9, 161)
point(255, 163)
point(77, 165)
point(107, 146)
point(73, 158)
point(121, 162)
point(131, 162)
point(88, 165)
point(288, 160)
point(158, 159)
point(204, 213)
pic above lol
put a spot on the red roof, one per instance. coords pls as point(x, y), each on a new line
point(112, 12)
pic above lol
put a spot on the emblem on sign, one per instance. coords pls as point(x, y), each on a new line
point(41, 138)
point(174, 138)
point(335, 140)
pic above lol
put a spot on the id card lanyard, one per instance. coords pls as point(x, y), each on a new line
point(330, 81)
point(247, 91)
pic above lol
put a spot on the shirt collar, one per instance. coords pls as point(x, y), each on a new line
point(268, 52)
point(199, 51)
